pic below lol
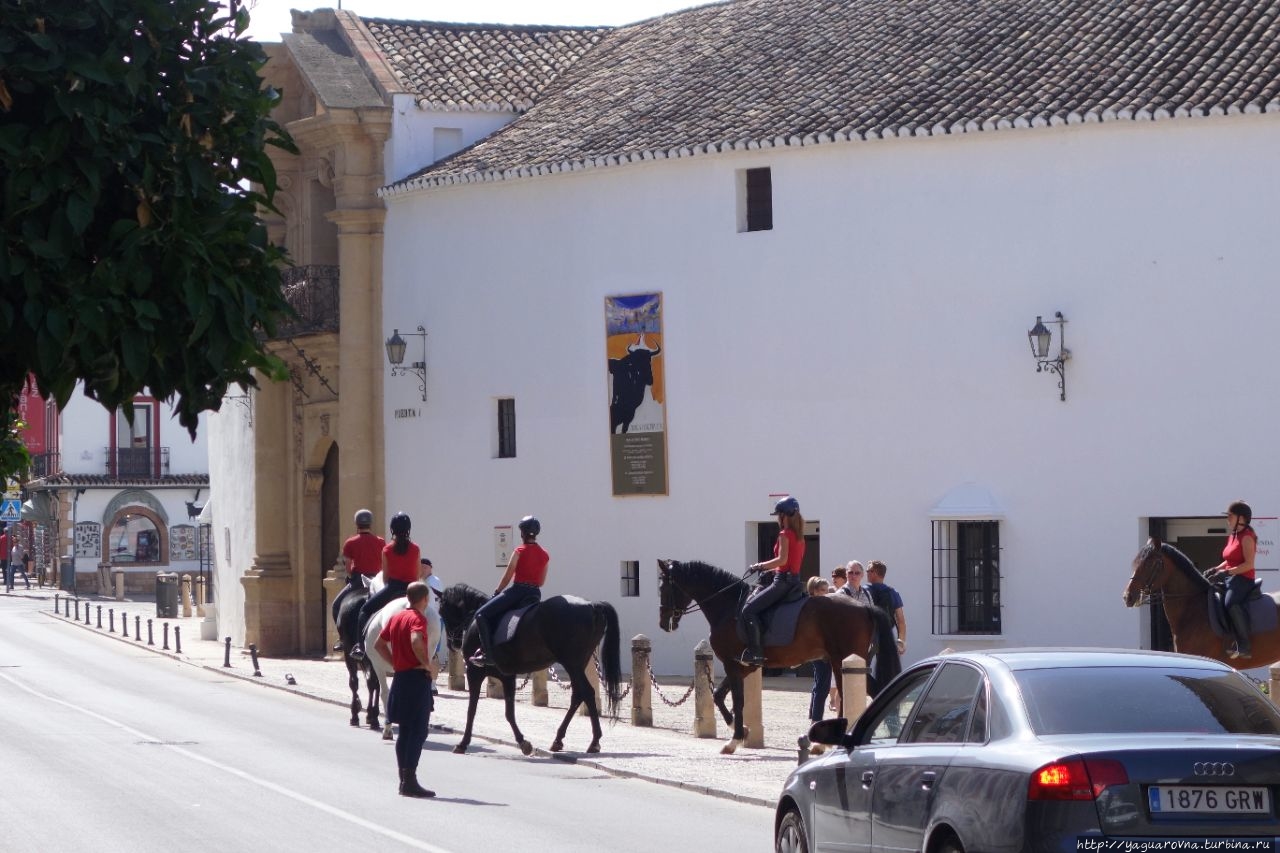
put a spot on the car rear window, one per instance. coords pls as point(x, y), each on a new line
point(1119, 700)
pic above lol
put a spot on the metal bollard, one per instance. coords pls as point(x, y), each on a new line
point(177, 638)
point(99, 616)
point(111, 619)
point(124, 625)
point(641, 698)
point(704, 706)
point(150, 637)
point(166, 636)
point(77, 610)
point(57, 604)
point(226, 659)
point(87, 615)
point(137, 628)
point(253, 654)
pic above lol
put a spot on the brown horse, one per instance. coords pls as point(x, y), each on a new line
point(1162, 573)
point(830, 628)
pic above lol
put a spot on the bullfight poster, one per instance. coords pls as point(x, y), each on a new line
point(637, 394)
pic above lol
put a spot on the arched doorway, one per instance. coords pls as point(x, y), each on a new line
point(330, 526)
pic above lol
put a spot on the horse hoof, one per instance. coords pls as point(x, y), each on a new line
point(355, 724)
point(595, 747)
point(386, 733)
point(729, 748)
point(460, 749)
point(817, 749)
point(558, 746)
point(526, 747)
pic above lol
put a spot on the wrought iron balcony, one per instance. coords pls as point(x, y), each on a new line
point(141, 462)
point(312, 291)
point(45, 464)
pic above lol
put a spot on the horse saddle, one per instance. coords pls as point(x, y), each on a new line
point(778, 621)
point(1261, 609)
point(509, 623)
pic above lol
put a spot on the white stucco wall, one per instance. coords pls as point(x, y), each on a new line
point(86, 431)
point(231, 485)
point(868, 355)
point(411, 146)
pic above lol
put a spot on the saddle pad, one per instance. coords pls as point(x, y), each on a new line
point(778, 623)
point(1262, 609)
point(509, 623)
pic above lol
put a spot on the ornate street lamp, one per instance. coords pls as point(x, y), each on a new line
point(1041, 339)
point(396, 347)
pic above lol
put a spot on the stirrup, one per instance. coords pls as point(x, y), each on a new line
point(750, 658)
point(478, 659)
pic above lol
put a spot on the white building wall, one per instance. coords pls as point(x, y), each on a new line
point(231, 485)
point(87, 427)
point(868, 355)
point(412, 145)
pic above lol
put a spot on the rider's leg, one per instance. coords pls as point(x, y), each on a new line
point(762, 597)
point(486, 618)
point(393, 590)
point(1237, 590)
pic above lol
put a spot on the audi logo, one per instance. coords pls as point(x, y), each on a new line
point(1213, 768)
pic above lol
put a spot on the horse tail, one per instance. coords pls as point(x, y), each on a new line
point(610, 656)
point(888, 664)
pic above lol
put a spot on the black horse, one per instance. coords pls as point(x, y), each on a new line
point(559, 630)
point(348, 626)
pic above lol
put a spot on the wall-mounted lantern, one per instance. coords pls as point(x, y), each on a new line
point(396, 347)
point(1041, 338)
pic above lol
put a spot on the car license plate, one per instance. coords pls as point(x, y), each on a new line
point(1216, 799)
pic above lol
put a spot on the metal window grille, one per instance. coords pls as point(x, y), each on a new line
point(630, 578)
point(966, 577)
point(506, 429)
point(759, 200)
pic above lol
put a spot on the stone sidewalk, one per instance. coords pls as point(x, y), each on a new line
point(665, 754)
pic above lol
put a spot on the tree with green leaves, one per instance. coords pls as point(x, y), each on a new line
point(133, 167)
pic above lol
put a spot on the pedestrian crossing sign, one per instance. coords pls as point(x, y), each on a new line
point(11, 510)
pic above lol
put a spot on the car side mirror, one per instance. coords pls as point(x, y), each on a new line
point(829, 732)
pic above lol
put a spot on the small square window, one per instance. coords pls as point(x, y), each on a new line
point(506, 428)
point(630, 578)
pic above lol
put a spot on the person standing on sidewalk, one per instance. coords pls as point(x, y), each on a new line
point(822, 667)
point(18, 563)
point(887, 598)
point(405, 642)
point(361, 557)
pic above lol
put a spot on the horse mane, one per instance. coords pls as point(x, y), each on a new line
point(1184, 565)
point(462, 597)
point(714, 575)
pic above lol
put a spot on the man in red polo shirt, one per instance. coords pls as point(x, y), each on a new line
point(362, 558)
point(405, 642)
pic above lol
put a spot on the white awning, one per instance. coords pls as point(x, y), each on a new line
point(970, 502)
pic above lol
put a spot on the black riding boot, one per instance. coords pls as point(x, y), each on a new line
point(409, 786)
point(1240, 627)
point(753, 654)
point(483, 657)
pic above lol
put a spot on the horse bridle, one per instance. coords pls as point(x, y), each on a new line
point(676, 614)
point(1147, 595)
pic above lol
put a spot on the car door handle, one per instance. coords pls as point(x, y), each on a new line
point(868, 776)
point(927, 778)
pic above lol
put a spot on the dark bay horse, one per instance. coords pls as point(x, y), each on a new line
point(1162, 573)
point(830, 628)
point(563, 630)
point(348, 625)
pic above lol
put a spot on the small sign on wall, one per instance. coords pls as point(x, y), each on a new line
point(503, 545)
point(1267, 556)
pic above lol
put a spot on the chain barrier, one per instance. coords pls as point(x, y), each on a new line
point(658, 689)
point(600, 672)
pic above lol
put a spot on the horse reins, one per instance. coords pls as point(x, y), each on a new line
point(1148, 596)
point(696, 605)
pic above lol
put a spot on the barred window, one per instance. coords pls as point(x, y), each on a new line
point(630, 578)
point(506, 428)
point(966, 577)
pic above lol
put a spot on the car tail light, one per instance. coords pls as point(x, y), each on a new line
point(1076, 779)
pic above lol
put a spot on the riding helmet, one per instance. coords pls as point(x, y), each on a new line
point(787, 506)
point(364, 518)
point(1241, 509)
point(530, 526)
point(400, 524)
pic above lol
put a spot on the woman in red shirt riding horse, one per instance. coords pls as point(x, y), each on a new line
point(788, 554)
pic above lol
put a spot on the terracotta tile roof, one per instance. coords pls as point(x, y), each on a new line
point(479, 66)
point(767, 73)
point(104, 480)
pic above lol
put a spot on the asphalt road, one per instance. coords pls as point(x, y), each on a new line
point(107, 747)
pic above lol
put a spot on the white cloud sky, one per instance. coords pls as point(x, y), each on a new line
point(270, 18)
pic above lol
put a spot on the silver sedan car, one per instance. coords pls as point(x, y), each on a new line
point(1044, 750)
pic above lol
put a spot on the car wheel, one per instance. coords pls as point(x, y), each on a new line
point(951, 845)
point(791, 836)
